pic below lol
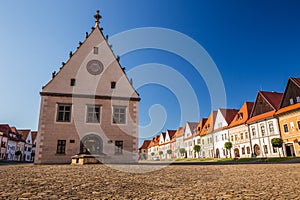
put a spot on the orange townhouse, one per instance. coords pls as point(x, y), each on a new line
point(289, 118)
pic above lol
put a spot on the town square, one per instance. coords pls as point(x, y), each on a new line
point(150, 100)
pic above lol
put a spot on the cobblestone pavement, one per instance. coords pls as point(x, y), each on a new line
point(263, 181)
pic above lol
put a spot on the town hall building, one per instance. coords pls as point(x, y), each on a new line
point(89, 107)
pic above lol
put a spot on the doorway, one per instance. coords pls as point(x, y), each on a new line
point(256, 150)
point(289, 149)
point(236, 153)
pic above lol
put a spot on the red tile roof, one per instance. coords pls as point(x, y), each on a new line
point(24, 133)
point(180, 132)
point(200, 126)
point(33, 135)
point(171, 134)
point(228, 114)
point(5, 129)
point(193, 125)
point(242, 115)
point(145, 144)
point(209, 124)
point(296, 81)
point(288, 109)
point(261, 117)
point(274, 98)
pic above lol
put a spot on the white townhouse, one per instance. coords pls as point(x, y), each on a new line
point(263, 124)
point(162, 147)
point(197, 138)
point(188, 138)
point(220, 134)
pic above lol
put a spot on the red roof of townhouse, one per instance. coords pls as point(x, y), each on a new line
point(145, 144)
point(209, 124)
point(33, 135)
point(5, 129)
point(288, 109)
point(273, 99)
point(24, 133)
point(242, 115)
point(296, 81)
point(179, 132)
point(172, 134)
point(193, 125)
point(200, 126)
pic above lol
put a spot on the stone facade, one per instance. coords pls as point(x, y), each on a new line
point(89, 106)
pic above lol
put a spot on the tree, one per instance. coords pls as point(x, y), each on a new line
point(277, 142)
point(169, 151)
point(182, 151)
point(228, 146)
point(152, 154)
point(160, 153)
point(197, 149)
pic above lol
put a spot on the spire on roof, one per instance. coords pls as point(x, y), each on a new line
point(97, 16)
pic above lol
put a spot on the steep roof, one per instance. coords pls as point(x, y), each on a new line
point(91, 82)
point(292, 91)
point(24, 133)
point(296, 81)
point(5, 129)
point(242, 115)
point(274, 98)
point(192, 125)
point(145, 144)
point(265, 106)
point(228, 114)
point(209, 124)
point(171, 134)
point(33, 135)
point(200, 126)
point(180, 132)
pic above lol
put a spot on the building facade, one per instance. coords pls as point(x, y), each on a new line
point(239, 132)
point(89, 107)
point(263, 124)
point(289, 118)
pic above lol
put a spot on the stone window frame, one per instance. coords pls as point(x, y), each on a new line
point(253, 131)
point(88, 119)
point(271, 124)
point(262, 130)
point(286, 128)
point(116, 115)
point(61, 147)
point(64, 112)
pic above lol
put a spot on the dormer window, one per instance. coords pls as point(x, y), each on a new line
point(96, 50)
point(240, 115)
point(291, 101)
point(298, 99)
point(113, 85)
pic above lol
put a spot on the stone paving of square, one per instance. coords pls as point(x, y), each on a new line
point(260, 181)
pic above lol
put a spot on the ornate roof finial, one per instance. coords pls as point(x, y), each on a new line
point(97, 16)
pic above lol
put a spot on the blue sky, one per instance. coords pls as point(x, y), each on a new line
point(254, 44)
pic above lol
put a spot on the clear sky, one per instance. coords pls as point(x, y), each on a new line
point(254, 44)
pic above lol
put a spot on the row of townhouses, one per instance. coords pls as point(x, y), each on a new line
point(17, 144)
point(250, 129)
